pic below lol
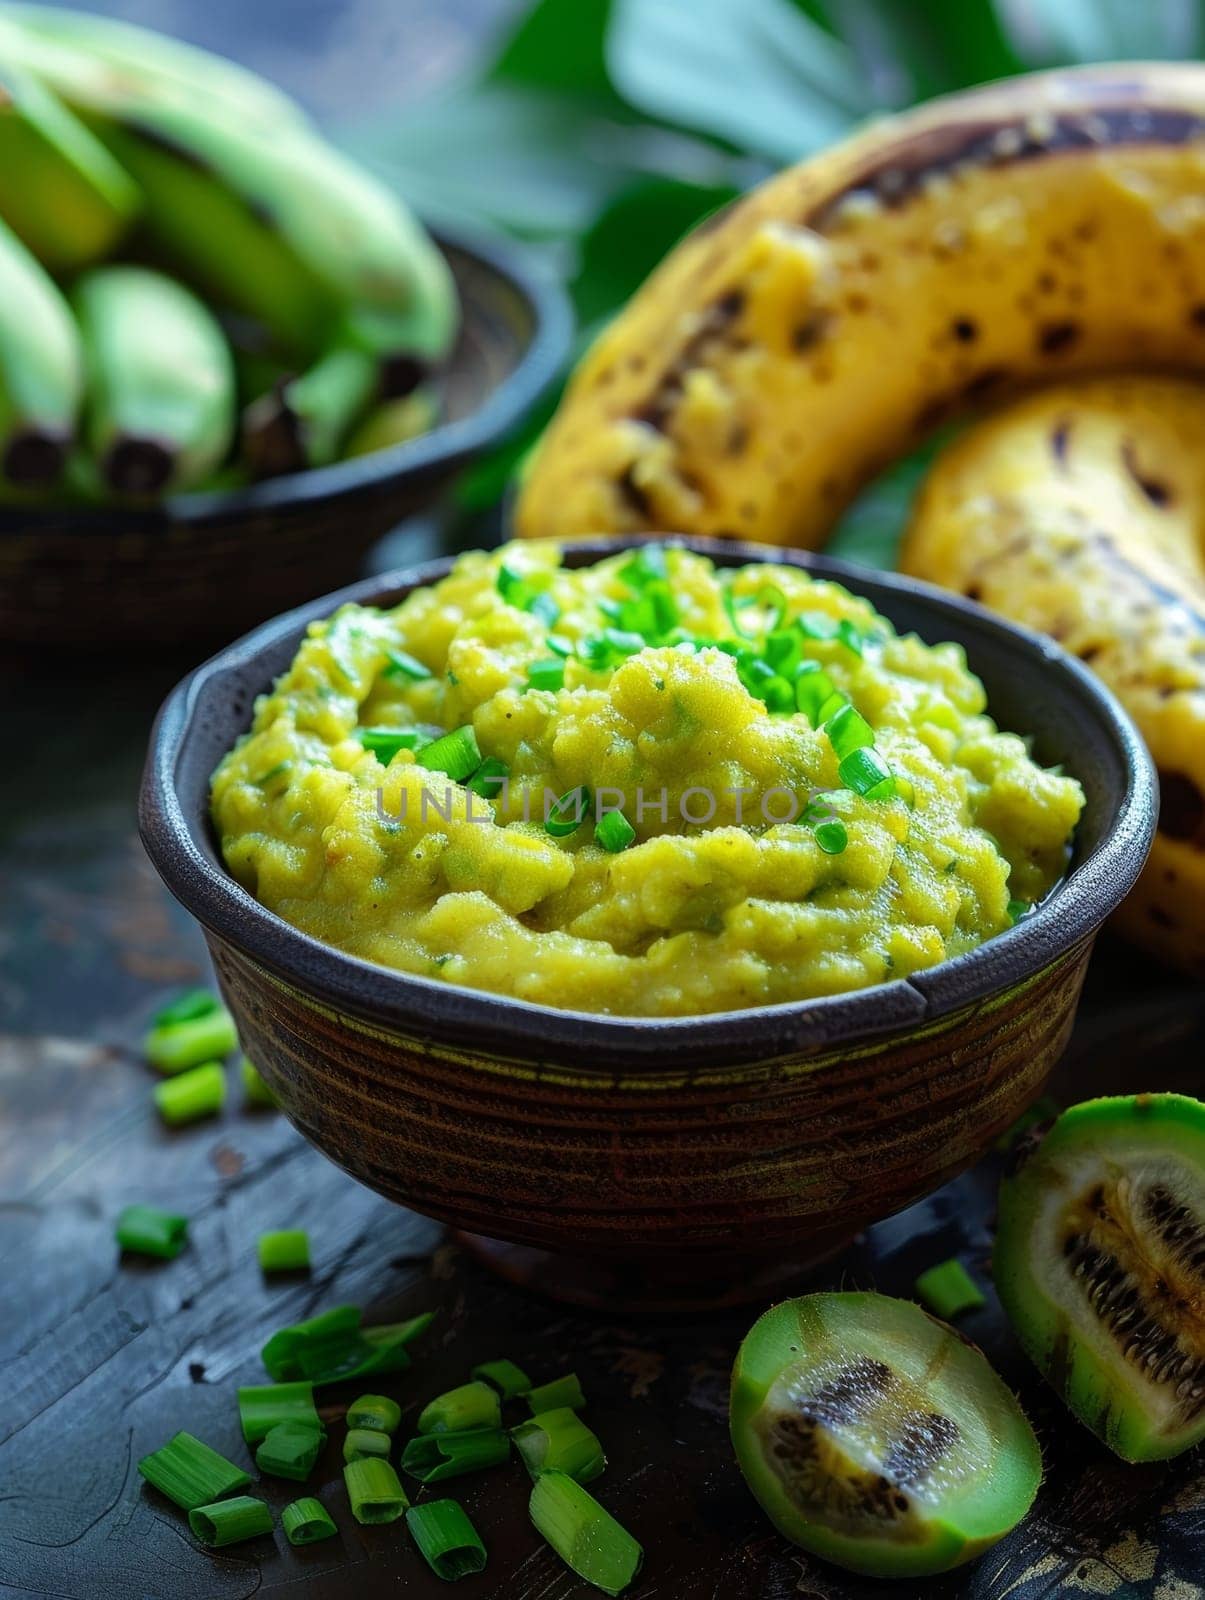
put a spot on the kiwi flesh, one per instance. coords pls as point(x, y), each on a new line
point(1100, 1265)
point(877, 1437)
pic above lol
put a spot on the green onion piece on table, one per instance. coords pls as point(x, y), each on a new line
point(568, 813)
point(307, 1522)
point(255, 1091)
point(187, 1007)
point(181, 1045)
point(548, 674)
point(145, 1231)
point(230, 1521)
point(285, 1251)
point(374, 1411)
point(432, 1457)
point(446, 1539)
point(404, 665)
point(559, 1441)
point(566, 1391)
point(192, 1474)
point(866, 773)
point(290, 1450)
point(472, 1405)
point(375, 1492)
point(386, 742)
point(330, 1331)
point(614, 832)
point(831, 837)
point(948, 1290)
point(262, 1407)
point(848, 731)
point(510, 1381)
point(199, 1092)
point(585, 1536)
point(455, 754)
point(361, 1443)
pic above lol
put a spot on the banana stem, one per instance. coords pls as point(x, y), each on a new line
point(303, 421)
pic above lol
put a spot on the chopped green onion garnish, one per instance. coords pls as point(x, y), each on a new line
point(610, 648)
point(180, 1045)
point(813, 687)
point(145, 1231)
point(230, 1521)
point(830, 707)
point(768, 597)
point(665, 608)
point(317, 1338)
point(815, 625)
point(199, 1092)
point(613, 831)
point(756, 673)
point(546, 608)
point(375, 1491)
point(559, 1441)
point(568, 813)
point(948, 1290)
point(446, 1539)
point(778, 694)
point(487, 778)
point(848, 731)
point(285, 1251)
point(831, 837)
point(386, 742)
point(472, 1405)
point(262, 1407)
point(866, 773)
point(587, 1538)
point(566, 1391)
point(278, 771)
point(455, 754)
point(374, 1411)
point(404, 665)
point(290, 1449)
point(528, 594)
point(190, 1473)
point(510, 1381)
point(850, 635)
point(547, 674)
point(255, 1090)
point(432, 1457)
point(187, 1007)
point(559, 645)
point(363, 1442)
point(648, 565)
point(1017, 909)
point(307, 1522)
point(784, 651)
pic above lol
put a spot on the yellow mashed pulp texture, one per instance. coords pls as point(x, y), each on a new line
point(689, 918)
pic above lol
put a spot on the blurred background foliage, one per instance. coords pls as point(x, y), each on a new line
point(600, 131)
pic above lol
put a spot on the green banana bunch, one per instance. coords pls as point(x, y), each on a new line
point(41, 370)
point(302, 421)
point(61, 192)
point(161, 384)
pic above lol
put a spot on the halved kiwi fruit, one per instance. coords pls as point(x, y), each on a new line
point(877, 1437)
point(1100, 1264)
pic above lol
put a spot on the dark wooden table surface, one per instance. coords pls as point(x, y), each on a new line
point(101, 1361)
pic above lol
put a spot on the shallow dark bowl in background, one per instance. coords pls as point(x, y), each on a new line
point(205, 567)
point(661, 1161)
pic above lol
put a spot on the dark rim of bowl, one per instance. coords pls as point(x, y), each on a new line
point(503, 1025)
point(439, 450)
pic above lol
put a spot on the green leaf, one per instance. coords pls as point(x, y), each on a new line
point(560, 45)
point(1063, 31)
point(925, 47)
point(872, 528)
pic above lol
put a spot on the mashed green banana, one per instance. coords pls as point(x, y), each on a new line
point(649, 690)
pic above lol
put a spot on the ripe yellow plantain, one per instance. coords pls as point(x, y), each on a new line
point(1081, 512)
point(794, 345)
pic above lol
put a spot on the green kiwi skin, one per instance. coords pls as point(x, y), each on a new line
point(771, 1344)
point(1082, 1379)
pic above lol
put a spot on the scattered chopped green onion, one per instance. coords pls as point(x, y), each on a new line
point(778, 694)
point(487, 777)
point(546, 608)
point(180, 1045)
point(199, 1092)
point(230, 1521)
point(432, 1457)
point(568, 813)
point(848, 731)
point(316, 1338)
point(830, 707)
point(647, 566)
point(472, 1405)
point(369, 1353)
point(559, 1441)
point(307, 1522)
point(187, 1007)
point(815, 625)
point(613, 831)
point(831, 837)
point(510, 1381)
point(255, 1090)
point(813, 687)
point(948, 1289)
point(404, 665)
point(446, 1539)
point(585, 1536)
point(866, 773)
point(192, 1474)
point(363, 1442)
point(559, 645)
point(850, 635)
point(455, 754)
point(262, 1407)
point(386, 742)
point(375, 1492)
point(610, 648)
point(528, 593)
point(290, 1450)
point(566, 1391)
point(546, 674)
point(146, 1231)
point(374, 1411)
point(287, 1250)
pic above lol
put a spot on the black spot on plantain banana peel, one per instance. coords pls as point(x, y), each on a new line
point(1081, 513)
point(987, 241)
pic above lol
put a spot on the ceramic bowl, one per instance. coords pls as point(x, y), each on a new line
point(207, 566)
point(661, 1161)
